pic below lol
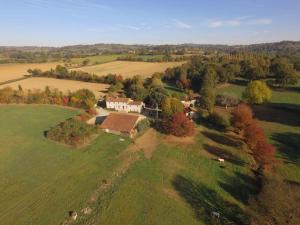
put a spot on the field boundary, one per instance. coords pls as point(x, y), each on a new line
point(15, 80)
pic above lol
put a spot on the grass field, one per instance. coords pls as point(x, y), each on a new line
point(40, 180)
point(99, 59)
point(289, 98)
point(17, 70)
point(181, 184)
point(129, 69)
point(62, 85)
point(282, 126)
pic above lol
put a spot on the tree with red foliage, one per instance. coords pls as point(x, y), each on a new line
point(179, 125)
point(263, 153)
point(253, 134)
point(241, 117)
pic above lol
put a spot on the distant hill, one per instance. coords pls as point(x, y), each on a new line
point(43, 54)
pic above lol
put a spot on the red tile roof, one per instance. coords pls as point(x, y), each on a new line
point(110, 99)
point(120, 122)
point(135, 103)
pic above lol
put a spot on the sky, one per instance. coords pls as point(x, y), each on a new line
point(69, 22)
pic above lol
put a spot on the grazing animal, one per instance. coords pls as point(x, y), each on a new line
point(221, 160)
point(215, 214)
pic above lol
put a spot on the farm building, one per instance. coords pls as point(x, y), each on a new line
point(121, 123)
point(124, 104)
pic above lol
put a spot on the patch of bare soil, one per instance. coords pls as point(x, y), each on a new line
point(147, 143)
point(189, 140)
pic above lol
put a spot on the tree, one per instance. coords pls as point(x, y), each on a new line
point(156, 96)
point(83, 98)
point(170, 106)
point(263, 153)
point(179, 125)
point(277, 203)
point(257, 92)
point(254, 134)
point(241, 117)
point(208, 93)
point(86, 62)
point(255, 68)
point(284, 72)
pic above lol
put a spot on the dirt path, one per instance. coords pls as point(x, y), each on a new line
point(147, 143)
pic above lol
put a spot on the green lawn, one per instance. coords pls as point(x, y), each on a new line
point(99, 59)
point(286, 98)
point(181, 184)
point(40, 180)
point(282, 126)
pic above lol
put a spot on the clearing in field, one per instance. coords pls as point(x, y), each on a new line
point(62, 85)
point(129, 69)
point(13, 71)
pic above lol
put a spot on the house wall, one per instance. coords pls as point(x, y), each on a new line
point(123, 106)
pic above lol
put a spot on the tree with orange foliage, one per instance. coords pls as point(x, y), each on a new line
point(263, 153)
point(179, 125)
point(253, 134)
point(241, 117)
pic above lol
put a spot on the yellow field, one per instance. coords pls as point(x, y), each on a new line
point(17, 70)
point(129, 69)
point(62, 85)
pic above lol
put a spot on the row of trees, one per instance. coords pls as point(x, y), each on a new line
point(277, 201)
point(83, 98)
point(61, 72)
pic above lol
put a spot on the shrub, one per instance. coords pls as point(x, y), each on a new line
point(143, 125)
point(257, 92)
point(179, 125)
point(72, 132)
point(219, 120)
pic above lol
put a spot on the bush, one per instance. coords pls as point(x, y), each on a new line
point(72, 132)
point(219, 120)
point(143, 125)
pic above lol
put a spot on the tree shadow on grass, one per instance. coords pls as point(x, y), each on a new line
point(240, 186)
point(224, 154)
point(287, 114)
point(288, 144)
point(223, 139)
point(204, 201)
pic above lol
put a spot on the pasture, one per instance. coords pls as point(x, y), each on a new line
point(62, 85)
point(281, 122)
point(180, 182)
point(129, 69)
point(98, 59)
point(41, 181)
point(13, 71)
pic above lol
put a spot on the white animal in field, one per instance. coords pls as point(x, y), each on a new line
point(221, 160)
point(216, 214)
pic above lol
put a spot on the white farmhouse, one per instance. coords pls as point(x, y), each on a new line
point(124, 104)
